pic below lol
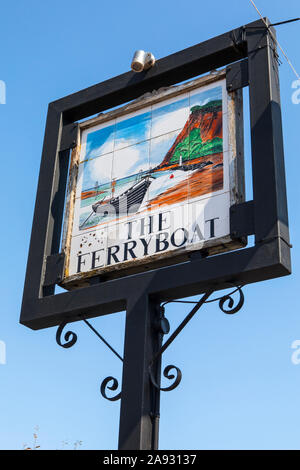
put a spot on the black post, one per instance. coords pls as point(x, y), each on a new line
point(268, 169)
point(139, 415)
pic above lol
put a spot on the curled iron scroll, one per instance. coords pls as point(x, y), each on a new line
point(113, 387)
point(231, 309)
point(70, 337)
point(168, 376)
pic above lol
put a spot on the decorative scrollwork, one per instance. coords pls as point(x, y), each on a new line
point(70, 337)
point(230, 310)
point(114, 386)
point(226, 304)
point(171, 377)
point(168, 376)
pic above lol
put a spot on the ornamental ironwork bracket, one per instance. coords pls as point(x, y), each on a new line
point(229, 310)
point(111, 383)
point(70, 339)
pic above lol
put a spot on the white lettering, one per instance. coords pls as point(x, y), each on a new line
point(296, 94)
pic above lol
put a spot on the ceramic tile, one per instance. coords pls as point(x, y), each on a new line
point(178, 226)
point(209, 218)
point(162, 149)
point(167, 229)
point(169, 185)
point(130, 177)
point(94, 215)
point(168, 188)
point(209, 118)
point(208, 143)
point(196, 223)
point(205, 136)
point(97, 141)
point(131, 161)
point(88, 251)
point(207, 179)
point(93, 174)
point(100, 193)
point(215, 92)
point(213, 178)
point(216, 216)
point(134, 129)
point(170, 115)
point(147, 234)
point(120, 245)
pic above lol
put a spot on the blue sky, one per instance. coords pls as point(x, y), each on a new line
point(240, 388)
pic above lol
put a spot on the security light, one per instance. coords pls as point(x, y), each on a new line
point(142, 61)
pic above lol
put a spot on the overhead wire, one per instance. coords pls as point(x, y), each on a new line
point(276, 41)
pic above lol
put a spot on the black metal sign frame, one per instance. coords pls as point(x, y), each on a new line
point(250, 56)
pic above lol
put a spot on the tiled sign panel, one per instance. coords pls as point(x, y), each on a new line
point(153, 183)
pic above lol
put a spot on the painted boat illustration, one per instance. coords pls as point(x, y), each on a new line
point(128, 201)
point(131, 200)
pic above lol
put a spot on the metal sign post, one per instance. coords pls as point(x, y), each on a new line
point(140, 399)
point(250, 57)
